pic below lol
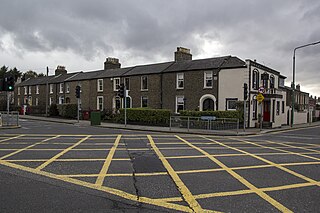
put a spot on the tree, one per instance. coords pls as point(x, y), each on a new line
point(3, 71)
point(15, 72)
point(29, 74)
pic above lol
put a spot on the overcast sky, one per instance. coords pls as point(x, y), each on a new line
point(80, 34)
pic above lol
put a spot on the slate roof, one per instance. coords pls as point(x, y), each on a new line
point(173, 66)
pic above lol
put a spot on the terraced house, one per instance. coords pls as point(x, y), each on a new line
point(204, 84)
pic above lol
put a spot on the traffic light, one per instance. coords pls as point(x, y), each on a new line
point(245, 91)
point(121, 91)
point(10, 83)
point(78, 88)
point(7, 84)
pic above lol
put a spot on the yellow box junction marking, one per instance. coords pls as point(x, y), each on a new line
point(194, 205)
point(61, 153)
point(258, 191)
point(28, 147)
point(7, 139)
point(107, 162)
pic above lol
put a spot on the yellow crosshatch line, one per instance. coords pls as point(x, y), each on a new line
point(11, 138)
point(105, 167)
point(42, 166)
point(165, 202)
point(257, 191)
point(185, 192)
point(28, 147)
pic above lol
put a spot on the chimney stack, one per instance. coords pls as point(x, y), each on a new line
point(60, 70)
point(298, 87)
point(111, 63)
point(182, 54)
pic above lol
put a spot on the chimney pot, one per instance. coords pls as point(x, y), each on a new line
point(111, 63)
point(182, 54)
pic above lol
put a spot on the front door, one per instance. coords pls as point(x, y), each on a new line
point(208, 104)
point(266, 111)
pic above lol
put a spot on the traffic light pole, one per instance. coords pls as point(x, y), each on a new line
point(8, 103)
point(125, 105)
point(78, 111)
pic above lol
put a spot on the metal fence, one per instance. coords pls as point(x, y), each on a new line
point(9, 119)
point(205, 123)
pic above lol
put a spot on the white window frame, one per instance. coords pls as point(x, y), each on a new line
point(61, 99)
point(179, 79)
point(61, 88)
point(180, 101)
point(18, 100)
point(30, 90)
point(207, 78)
point(18, 90)
point(100, 85)
point(116, 84)
point(142, 97)
point(125, 83)
point(50, 101)
point(51, 88)
point(98, 103)
point(227, 104)
point(37, 89)
point(67, 88)
point(141, 80)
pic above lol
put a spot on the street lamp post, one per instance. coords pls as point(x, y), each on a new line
point(293, 77)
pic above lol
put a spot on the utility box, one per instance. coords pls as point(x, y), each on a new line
point(95, 118)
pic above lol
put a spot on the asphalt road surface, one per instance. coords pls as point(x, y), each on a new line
point(50, 167)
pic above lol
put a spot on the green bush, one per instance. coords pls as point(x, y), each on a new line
point(37, 110)
point(218, 114)
point(53, 110)
point(68, 110)
point(159, 117)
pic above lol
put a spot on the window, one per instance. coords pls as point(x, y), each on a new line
point(37, 89)
point(51, 88)
point(272, 82)
point(255, 79)
point(18, 90)
point(25, 90)
point(179, 103)
point(37, 101)
point(127, 83)
point(180, 80)
point(30, 100)
point(208, 79)
point(282, 107)
point(144, 82)
point(231, 103)
point(100, 85)
point(254, 109)
point(61, 99)
point(61, 88)
point(128, 102)
point(278, 107)
point(281, 82)
point(30, 90)
point(18, 101)
point(144, 101)
point(100, 103)
point(116, 84)
point(67, 88)
point(50, 101)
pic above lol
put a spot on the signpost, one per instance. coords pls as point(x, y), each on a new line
point(260, 98)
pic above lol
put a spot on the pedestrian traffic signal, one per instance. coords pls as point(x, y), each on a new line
point(121, 91)
point(245, 91)
point(78, 88)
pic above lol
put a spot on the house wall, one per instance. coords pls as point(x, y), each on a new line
point(231, 85)
point(193, 89)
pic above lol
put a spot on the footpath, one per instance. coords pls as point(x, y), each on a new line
point(241, 132)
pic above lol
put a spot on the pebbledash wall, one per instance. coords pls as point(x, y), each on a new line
point(204, 84)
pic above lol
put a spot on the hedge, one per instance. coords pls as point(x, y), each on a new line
point(144, 116)
point(68, 110)
point(37, 110)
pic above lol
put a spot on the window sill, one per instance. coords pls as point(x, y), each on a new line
point(144, 90)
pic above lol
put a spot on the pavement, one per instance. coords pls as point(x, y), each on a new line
point(241, 132)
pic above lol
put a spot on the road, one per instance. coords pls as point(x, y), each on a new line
point(51, 167)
